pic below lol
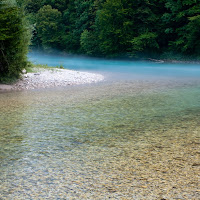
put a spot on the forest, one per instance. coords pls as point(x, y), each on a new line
point(130, 28)
point(103, 28)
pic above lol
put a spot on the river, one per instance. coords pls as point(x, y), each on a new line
point(134, 136)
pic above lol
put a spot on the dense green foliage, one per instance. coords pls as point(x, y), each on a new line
point(116, 27)
point(14, 41)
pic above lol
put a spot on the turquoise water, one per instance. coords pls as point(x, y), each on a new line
point(119, 68)
point(125, 139)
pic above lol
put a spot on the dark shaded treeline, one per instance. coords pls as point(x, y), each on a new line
point(116, 27)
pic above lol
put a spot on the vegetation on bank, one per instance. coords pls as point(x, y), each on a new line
point(32, 68)
point(122, 28)
point(14, 41)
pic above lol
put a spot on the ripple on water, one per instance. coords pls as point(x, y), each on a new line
point(128, 140)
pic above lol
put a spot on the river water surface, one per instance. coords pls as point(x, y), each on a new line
point(135, 137)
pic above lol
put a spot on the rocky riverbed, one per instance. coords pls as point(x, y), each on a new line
point(52, 77)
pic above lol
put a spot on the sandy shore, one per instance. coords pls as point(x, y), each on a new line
point(48, 78)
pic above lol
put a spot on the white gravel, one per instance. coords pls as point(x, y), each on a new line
point(48, 78)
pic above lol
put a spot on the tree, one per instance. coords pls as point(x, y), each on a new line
point(61, 5)
point(123, 24)
point(89, 43)
point(14, 40)
point(49, 27)
point(32, 6)
point(78, 18)
point(181, 22)
point(192, 44)
point(89, 39)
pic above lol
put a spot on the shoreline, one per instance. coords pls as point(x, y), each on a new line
point(172, 61)
point(42, 78)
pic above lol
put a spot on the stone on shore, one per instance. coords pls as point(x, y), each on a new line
point(52, 77)
point(6, 87)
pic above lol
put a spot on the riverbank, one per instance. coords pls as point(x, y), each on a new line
point(51, 77)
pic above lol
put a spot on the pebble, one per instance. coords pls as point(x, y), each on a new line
point(48, 78)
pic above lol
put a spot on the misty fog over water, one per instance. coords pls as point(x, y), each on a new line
point(124, 69)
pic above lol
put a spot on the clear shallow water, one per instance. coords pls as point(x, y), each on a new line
point(119, 69)
point(137, 137)
point(121, 140)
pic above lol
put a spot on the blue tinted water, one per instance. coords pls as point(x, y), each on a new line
point(126, 68)
point(116, 140)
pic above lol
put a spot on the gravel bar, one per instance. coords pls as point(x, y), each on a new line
point(48, 78)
